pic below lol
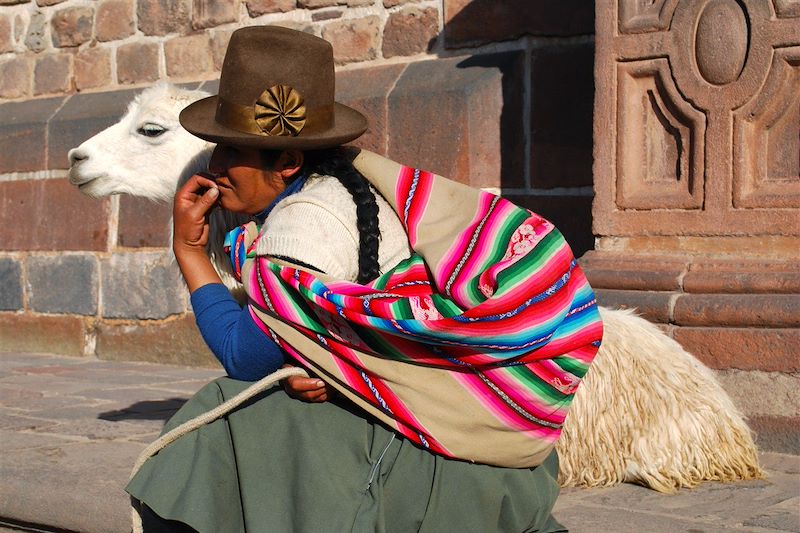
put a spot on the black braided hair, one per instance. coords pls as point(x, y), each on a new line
point(334, 163)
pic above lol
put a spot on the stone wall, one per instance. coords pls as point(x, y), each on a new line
point(697, 182)
point(496, 94)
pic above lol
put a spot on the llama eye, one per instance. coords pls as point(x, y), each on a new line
point(151, 130)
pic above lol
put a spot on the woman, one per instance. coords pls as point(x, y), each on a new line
point(386, 454)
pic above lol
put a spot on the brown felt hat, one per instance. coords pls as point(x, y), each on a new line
point(275, 92)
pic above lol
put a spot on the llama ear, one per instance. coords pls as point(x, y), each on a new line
point(289, 163)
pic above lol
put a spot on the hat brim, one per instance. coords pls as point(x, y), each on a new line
point(198, 118)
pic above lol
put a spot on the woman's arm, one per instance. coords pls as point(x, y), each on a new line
point(244, 350)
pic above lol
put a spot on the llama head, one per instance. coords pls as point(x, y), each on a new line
point(146, 153)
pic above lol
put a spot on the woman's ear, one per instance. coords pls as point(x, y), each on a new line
point(289, 163)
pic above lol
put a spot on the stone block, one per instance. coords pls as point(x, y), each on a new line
point(63, 284)
point(6, 36)
point(394, 3)
point(572, 215)
point(736, 276)
point(22, 129)
point(473, 22)
point(770, 350)
point(766, 248)
point(651, 305)
point(48, 2)
point(16, 76)
point(92, 68)
point(171, 342)
point(328, 14)
point(188, 56)
point(160, 17)
point(137, 63)
point(52, 74)
point(92, 473)
point(19, 27)
point(315, 4)
point(114, 20)
point(410, 31)
point(210, 13)
point(71, 26)
point(218, 45)
point(37, 27)
point(645, 273)
point(256, 8)
point(353, 39)
point(65, 218)
point(26, 333)
point(561, 116)
point(776, 433)
point(11, 282)
point(141, 285)
point(13, 2)
point(82, 116)
point(461, 118)
point(762, 393)
point(143, 223)
point(366, 90)
point(738, 310)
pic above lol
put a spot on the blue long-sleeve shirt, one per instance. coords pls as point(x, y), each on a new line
point(246, 352)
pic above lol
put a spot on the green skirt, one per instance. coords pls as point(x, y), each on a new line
point(281, 465)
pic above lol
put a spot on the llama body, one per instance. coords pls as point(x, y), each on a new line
point(648, 412)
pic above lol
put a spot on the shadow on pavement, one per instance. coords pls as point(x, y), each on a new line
point(145, 410)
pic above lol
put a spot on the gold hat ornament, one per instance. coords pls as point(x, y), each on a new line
point(280, 111)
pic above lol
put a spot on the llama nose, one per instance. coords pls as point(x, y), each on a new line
point(76, 155)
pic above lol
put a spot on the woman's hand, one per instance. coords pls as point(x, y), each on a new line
point(190, 233)
point(307, 389)
point(192, 203)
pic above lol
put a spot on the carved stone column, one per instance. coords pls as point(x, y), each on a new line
point(697, 182)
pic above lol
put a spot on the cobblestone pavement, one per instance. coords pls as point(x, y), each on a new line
point(70, 430)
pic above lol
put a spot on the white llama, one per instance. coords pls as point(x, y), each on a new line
point(148, 154)
point(648, 412)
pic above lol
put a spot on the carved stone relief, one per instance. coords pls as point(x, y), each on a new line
point(660, 148)
point(787, 8)
point(639, 16)
point(766, 139)
point(721, 41)
point(697, 117)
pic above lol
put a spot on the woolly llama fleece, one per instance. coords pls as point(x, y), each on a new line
point(648, 412)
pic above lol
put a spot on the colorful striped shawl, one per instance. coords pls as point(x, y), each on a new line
point(472, 348)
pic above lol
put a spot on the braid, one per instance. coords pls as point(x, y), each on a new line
point(369, 233)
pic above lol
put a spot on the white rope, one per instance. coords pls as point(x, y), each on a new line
point(203, 419)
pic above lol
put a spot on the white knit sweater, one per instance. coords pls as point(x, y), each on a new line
point(318, 226)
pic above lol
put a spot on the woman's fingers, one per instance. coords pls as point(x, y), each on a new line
point(207, 200)
point(192, 202)
point(306, 389)
point(303, 384)
point(198, 194)
point(196, 184)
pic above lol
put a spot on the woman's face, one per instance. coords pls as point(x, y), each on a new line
point(244, 186)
